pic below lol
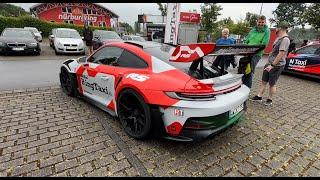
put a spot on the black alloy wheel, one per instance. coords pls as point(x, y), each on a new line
point(66, 82)
point(134, 114)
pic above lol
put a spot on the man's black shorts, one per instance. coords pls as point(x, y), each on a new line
point(273, 75)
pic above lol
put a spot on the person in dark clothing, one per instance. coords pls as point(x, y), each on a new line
point(305, 42)
point(292, 46)
point(88, 35)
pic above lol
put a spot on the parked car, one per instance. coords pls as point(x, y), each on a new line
point(133, 38)
point(101, 37)
point(151, 90)
point(67, 40)
point(304, 61)
point(18, 40)
point(35, 32)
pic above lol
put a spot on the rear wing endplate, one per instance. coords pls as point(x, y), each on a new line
point(192, 52)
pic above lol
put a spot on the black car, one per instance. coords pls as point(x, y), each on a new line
point(100, 37)
point(18, 40)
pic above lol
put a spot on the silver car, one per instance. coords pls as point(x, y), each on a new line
point(36, 33)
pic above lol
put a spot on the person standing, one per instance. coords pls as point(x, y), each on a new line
point(88, 36)
point(305, 42)
point(225, 60)
point(275, 64)
point(260, 34)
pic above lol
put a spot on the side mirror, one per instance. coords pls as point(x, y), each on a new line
point(82, 59)
point(82, 37)
point(51, 36)
point(40, 32)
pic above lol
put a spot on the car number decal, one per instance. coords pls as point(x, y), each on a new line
point(137, 77)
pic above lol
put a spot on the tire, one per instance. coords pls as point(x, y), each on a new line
point(38, 53)
point(134, 114)
point(67, 82)
point(56, 52)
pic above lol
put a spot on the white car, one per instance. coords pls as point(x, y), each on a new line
point(36, 33)
point(67, 41)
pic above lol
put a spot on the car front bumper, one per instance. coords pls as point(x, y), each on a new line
point(26, 49)
point(70, 51)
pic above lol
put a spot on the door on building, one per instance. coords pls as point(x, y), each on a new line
point(188, 33)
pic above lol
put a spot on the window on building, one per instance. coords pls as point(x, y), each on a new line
point(66, 10)
point(102, 24)
point(68, 21)
point(89, 11)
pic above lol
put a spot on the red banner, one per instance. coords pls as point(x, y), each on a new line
point(189, 17)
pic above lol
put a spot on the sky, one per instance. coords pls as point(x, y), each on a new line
point(236, 11)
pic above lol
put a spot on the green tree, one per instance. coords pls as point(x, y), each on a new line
point(290, 12)
point(9, 10)
point(137, 27)
point(210, 12)
point(126, 26)
point(162, 8)
point(312, 15)
point(251, 18)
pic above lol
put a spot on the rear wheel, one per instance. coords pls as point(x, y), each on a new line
point(134, 114)
point(67, 82)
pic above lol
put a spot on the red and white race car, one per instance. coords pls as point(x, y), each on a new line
point(159, 89)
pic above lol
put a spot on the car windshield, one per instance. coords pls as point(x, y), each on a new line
point(109, 35)
point(67, 34)
point(17, 33)
point(138, 38)
point(34, 30)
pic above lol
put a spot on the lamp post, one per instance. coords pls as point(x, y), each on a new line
point(261, 8)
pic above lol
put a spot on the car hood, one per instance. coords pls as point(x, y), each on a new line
point(15, 39)
point(111, 40)
point(301, 55)
point(69, 40)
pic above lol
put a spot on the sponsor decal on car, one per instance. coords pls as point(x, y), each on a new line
point(298, 63)
point(178, 112)
point(94, 86)
point(137, 77)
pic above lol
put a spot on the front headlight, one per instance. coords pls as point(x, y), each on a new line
point(81, 44)
point(33, 44)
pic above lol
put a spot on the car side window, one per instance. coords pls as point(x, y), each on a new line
point(106, 55)
point(128, 59)
point(308, 50)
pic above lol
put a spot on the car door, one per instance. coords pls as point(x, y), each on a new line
point(97, 80)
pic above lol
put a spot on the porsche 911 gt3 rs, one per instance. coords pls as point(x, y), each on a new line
point(159, 89)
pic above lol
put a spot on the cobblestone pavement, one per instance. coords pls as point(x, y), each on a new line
point(43, 132)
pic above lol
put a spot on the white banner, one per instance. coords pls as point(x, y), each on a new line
point(172, 23)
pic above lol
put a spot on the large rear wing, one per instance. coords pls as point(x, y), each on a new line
point(192, 52)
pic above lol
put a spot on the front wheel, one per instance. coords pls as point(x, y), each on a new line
point(67, 82)
point(134, 114)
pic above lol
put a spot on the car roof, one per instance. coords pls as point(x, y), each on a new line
point(15, 29)
point(66, 29)
point(98, 30)
point(144, 44)
point(29, 28)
